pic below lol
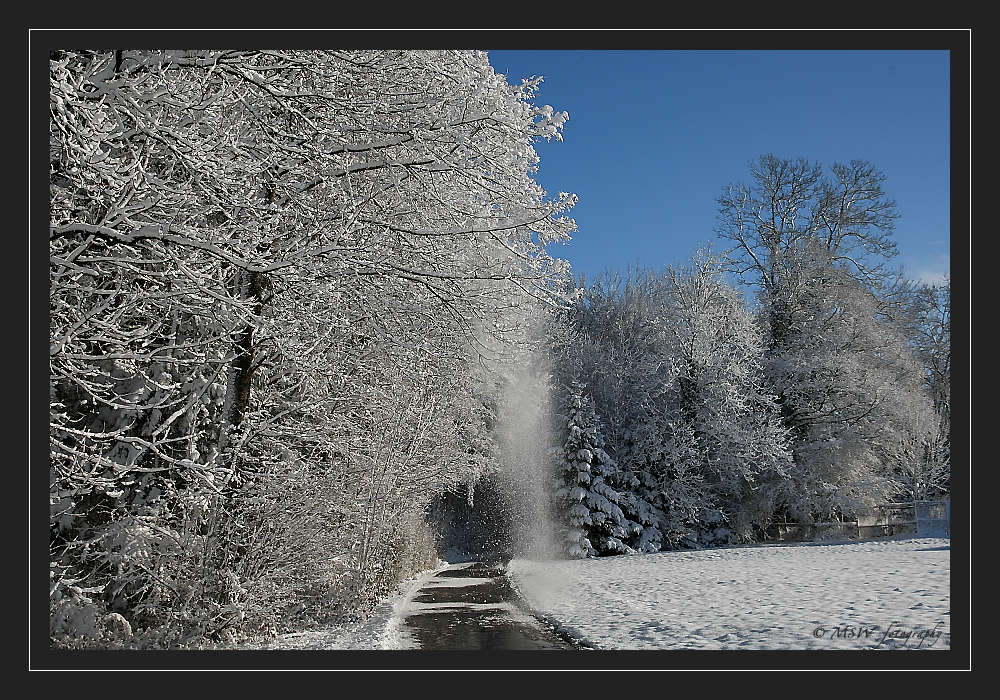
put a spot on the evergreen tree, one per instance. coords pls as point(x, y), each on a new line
point(608, 335)
point(593, 521)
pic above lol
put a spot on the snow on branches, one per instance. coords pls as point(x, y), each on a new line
point(271, 276)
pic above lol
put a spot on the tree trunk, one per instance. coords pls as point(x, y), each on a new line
point(251, 286)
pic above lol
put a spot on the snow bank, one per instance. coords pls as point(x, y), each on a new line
point(380, 630)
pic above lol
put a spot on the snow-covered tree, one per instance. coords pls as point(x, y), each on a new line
point(723, 443)
point(674, 365)
point(793, 213)
point(930, 333)
point(919, 445)
point(271, 274)
point(608, 336)
point(850, 393)
point(593, 520)
point(815, 247)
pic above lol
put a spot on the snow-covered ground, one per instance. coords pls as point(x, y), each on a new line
point(381, 630)
point(803, 596)
point(886, 594)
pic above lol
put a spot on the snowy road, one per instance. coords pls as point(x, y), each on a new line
point(471, 606)
point(462, 606)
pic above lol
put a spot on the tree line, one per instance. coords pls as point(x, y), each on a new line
point(692, 415)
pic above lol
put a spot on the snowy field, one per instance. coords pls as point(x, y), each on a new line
point(880, 594)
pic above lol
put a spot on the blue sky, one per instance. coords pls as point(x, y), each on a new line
point(653, 136)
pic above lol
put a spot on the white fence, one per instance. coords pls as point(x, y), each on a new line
point(922, 518)
point(933, 518)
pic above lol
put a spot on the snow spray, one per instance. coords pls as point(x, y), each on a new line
point(525, 441)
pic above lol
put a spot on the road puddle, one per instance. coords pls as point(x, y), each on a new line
point(472, 606)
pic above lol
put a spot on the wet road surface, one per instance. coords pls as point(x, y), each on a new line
point(473, 606)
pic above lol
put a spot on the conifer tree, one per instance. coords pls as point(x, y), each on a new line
point(593, 521)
